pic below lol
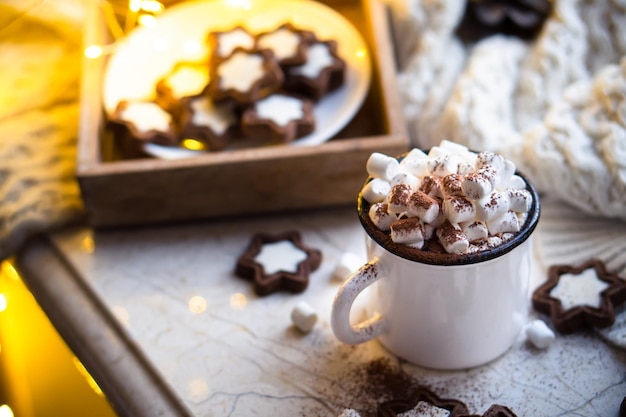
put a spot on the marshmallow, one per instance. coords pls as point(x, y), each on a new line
point(539, 334)
point(480, 183)
point(441, 166)
point(452, 238)
point(519, 200)
point(475, 231)
point(492, 206)
point(458, 209)
point(303, 316)
point(441, 218)
point(399, 198)
point(376, 190)
point(429, 230)
point(451, 185)
point(505, 175)
point(423, 206)
point(494, 160)
point(506, 223)
point(407, 231)
point(438, 152)
point(453, 147)
point(381, 217)
point(413, 156)
point(465, 168)
point(431, 185)
point(382, 166)
point(517, 182)
point(405, 178)
point(417, 167)
point(348, 263)
point(417, 245)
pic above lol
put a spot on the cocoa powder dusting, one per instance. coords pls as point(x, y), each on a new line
point(429, 185)
point(422, 200)
point(400, 194)
point(452, 185)
point(378, 381)
point(461, 204)
point(448, 234)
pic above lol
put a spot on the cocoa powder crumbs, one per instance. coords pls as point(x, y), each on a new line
point(375, 382)
point(492, 203)
point(429, 185)
point(422, 200)
point(452, 185)
point(399, 194)
point(382, 209)
point(461, 204)
point(448, 234)
point(408, 225)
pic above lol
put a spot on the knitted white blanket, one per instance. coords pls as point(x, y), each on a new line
point(40, 52)
point(556, 105)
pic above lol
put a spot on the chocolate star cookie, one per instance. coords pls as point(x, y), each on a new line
point(278, 261)
point(581, 296)
point(424, 402)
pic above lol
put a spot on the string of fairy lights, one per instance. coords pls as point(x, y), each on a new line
point(121, 20)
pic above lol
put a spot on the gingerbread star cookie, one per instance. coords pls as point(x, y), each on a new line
point(425, 403)
point(278, 261)
point(578, 297)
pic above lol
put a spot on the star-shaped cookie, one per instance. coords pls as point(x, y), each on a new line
point(424, 402)
point(278, 261)
point(578, 297)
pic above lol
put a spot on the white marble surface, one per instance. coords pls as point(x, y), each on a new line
point(225, 351)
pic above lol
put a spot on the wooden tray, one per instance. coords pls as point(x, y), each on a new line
point(119, 192)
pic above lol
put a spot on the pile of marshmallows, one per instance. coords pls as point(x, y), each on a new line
point(470, 201)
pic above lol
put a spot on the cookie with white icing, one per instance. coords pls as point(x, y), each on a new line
point(135, 123)
point(578, 297)
point(287, 42)
point(324, 71)
point(423, 402)
point(186, 79)
point(245, 77)
point(278, 262)
point(213, 124)
point(223, 43)
point(279, 118)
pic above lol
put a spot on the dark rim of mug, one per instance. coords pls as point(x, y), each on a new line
point(383, 239)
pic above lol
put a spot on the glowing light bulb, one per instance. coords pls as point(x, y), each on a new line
point(93, 51)
point(238, 301)
point(152, 6)
point(147, 20)
point(193, 144)
point(3, 305)
point(134, 5)
point(5, 411)
point(197, 304)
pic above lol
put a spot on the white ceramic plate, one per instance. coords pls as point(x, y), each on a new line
point(148, 53)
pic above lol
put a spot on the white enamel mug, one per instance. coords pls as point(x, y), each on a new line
point(438, 311)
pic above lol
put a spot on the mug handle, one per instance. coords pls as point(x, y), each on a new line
point(340, 315)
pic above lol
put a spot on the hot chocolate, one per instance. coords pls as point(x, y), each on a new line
point(449, 206)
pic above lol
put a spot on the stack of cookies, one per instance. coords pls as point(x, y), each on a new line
point(260, 87)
